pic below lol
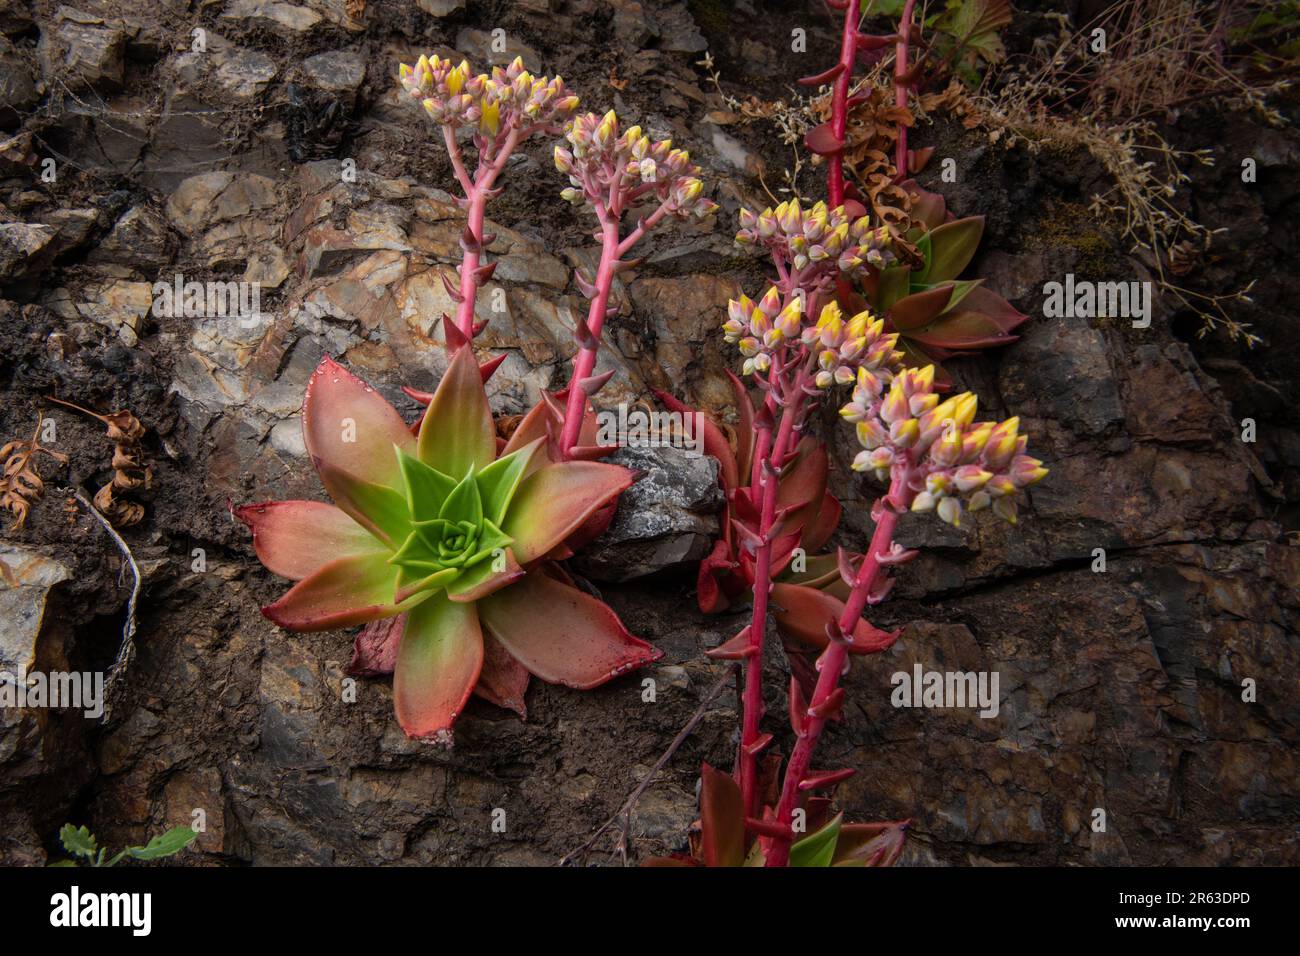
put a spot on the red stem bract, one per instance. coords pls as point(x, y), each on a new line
point(831, 663)
point(584, 363)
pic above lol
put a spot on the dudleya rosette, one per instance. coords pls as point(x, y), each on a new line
point(442, 527)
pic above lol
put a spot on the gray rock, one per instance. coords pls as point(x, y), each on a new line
point(17, 90)
point(82, 51)
point(140, 240)
point(240, 73)
point(477, 45)
point(666, 519)
point(15, 17)
point(337, 71)
point(73, 226)
point(26, 249)
point(23, 593)
point(678, 32)
point(284, 18)
point(633, 24)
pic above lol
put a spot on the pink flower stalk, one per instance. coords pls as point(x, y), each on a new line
point(937, 458)
point(616, 174)
point(793, 360)
point(503, 109)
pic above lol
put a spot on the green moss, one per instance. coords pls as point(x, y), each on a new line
point(713, 17)
point(1071, 224)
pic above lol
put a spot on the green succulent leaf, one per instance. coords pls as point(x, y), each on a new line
point(378, 508)
point(165, 844)
point(895, 283)
point(457, 433)
point(78, 841)
point(464, 503)
point(426, 487)
point(817, 849)
point(952, 246)
point(438, 663)
point(498, 482)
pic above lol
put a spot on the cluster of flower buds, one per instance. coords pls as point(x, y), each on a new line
point(958, 464)
point(850, 350)
point(817, 235)
point(599, 161)
point(506, 99)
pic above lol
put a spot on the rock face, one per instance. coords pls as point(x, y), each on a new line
point(667, 519)
point(1141, 618)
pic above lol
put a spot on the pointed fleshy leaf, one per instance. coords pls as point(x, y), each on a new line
point(709, 593)
point(818, 530)
point(561, 634)
point(458, 433)
point(342, 592)
point(822, 140)
point(374, 652)
point(870, 844)
point(503, 680)
point(962, 329)
point(411, 584)
point(744, 427)
point(952, 246)
point(438, 664)
point(498, 482)
point(554, 502)
point(349, 426)
point(536, 423)
point(817, 849)
point(426, 488)
point(802, 613)
point(821, 569)
point(1005, 315)
point(294, 538)
point(805, 481)
point(737, 648)
point(378, 508)
point(919, 308)
point(464, 503)
point(722, 819)
point(485, 578)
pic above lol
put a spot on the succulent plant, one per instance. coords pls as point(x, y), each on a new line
point(450, 530)
point(720, 839)
point(936, 314)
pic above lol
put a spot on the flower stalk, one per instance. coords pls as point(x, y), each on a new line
point(793, 361)
point(616, 174)
point(502, 110)
point(831, 666)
